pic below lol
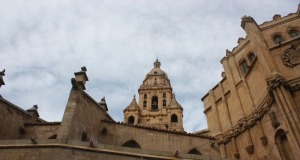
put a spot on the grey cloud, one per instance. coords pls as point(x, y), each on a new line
point(42, 43)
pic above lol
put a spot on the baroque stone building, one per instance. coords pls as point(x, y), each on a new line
point(252, 113)
point(157, 105)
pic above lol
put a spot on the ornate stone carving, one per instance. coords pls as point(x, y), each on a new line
point(273, 119)
point(291, 56)
point(275, 82)
point(250, 149)
point(248, 122)
point(264, 140)
point(295, 87)
point(236, 156)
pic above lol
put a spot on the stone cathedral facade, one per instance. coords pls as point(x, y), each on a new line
point(252, 113)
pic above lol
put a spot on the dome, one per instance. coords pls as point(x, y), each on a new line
point(156, 71)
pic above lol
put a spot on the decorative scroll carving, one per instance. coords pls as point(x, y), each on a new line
point(295, 87)
point(275, 82)
point(273, 119)
point(291, 56)
point(248, 122)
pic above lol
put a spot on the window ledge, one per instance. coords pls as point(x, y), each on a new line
point(154, 110)
point(284, 43)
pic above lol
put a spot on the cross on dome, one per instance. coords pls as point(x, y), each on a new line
point(156, 64)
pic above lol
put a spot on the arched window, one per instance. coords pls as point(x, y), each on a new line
point(164, 95)
point(283, 145)
point(174, 118)
point(244, 66)
point(145, 96)
point(251, 57)
point(145, 103)
point(154, 105)
point(131, 120)
point(164, 102)
point(132, 144)
point(294, 33)
point(194, 151)
point(278, 39)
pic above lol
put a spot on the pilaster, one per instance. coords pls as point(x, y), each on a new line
point(258, 43)
point(278, 88)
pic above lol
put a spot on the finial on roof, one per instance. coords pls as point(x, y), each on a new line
point(1, 77)
point(83, 68)
point(2, 73)
point(103, 104)
point(134, 96)
point(34, 110)
point(156, 64)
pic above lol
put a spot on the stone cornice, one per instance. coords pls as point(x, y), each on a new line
point(83, 148)
point(240, 48)
point(248, 122)
point(162, 130)
point(279, 23)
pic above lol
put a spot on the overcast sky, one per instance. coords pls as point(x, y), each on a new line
point(42, 44)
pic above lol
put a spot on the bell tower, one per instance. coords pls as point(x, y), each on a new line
point(157, 105)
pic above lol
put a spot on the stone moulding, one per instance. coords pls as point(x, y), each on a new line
point(291, 56)
point(248, 122)
point(277, 24)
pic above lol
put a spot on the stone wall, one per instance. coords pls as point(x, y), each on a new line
point(12, 119)
point(152, 139)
